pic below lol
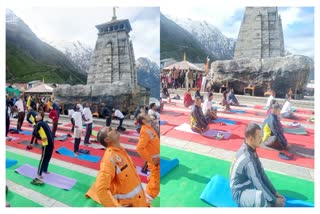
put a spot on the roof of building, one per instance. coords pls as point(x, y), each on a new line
point(43, 88)
point(183, 65)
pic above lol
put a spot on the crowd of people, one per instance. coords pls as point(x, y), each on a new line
point(116, 165)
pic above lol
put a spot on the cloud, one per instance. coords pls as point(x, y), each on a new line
point(78, 24)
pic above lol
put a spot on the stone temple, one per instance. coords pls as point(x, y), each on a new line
point(260, 60)
point(112, 76)
point(261, 34)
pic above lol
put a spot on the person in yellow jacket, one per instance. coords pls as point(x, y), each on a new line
point(28, 102)
point(148, 148)
point(118, 183)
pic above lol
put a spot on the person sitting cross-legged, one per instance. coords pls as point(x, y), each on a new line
point(286, 111)
point(250, 186)
point(231, 98)
point(198, 121)
point(208, 109)
point(187, 99)
point(272, 130)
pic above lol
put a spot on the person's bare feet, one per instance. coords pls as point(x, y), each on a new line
point(40, 177)
point(76, 154)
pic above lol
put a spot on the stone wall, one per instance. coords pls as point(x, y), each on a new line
point(260, 34)
point(112, 59)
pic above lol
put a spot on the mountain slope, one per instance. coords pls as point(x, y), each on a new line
point(28, 58)
point(148, 75)
point(174, 40)
point(209, 37)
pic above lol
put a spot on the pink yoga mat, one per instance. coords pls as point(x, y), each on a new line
point(51, 179)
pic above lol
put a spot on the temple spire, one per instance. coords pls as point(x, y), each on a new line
point(114, 17)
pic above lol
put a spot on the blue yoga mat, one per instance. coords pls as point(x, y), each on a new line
point(67, 152)
point(163, 122)
point(218, 193)
point(24, 132)
point(167, 165)
point(226, 121)
point(237, 111)
point(10, 163)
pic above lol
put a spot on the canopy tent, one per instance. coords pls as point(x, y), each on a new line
point(11, 91)
point(183, 65)
point(40, 89)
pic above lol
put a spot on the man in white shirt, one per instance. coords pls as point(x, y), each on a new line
point(20, 109)
point(118, 115)
point(77, 116)
point(270, 98)
point(286, 111)
point(153, 112)
point(70, 113)
point(208, 109)
point(87, 117)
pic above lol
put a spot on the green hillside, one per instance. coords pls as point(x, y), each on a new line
point(28, 58)
point(174, 40)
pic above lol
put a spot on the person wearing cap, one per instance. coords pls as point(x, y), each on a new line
point(88, 118)
point(198, 121)
point(272, 130)
point(118, 183)
point(77, 116)
point(43, 133)
point(250, 186)
point(209, 111)
point(148, 148)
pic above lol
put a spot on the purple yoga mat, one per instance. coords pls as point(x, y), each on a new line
point(52, 178)
point(213, 133)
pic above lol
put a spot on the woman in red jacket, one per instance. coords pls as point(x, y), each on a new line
point(187, 99)
point(53, 115)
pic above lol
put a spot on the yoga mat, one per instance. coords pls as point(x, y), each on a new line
point(53, 179)
point(195, 171)
point(74, 197)
point(167, 165)
point(211, 133)
point(171, 113)
point(226, 121)
point(10, 163)
point(91, 145)
point(237, 111)
point(218, 193)
point(34, 145)
point(67, 152)
point(297, 131)
point(17, 200)
point(24, 132)
point(163, 122)
point(62, 138)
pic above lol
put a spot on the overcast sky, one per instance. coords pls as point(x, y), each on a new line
point(297, 23)
point(67, 24)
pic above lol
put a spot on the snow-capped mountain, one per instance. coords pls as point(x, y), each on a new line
point(78, 52)
point(148, 75)
point(209, 36)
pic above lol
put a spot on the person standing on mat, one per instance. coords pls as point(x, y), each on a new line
point(44, 134)
point(250, 186)
point(88, 118)
point(198, 121)
point(77, 116)
point(19, 105)
point(119, 115)
point(118, 183)
point(53, 115)
point(148, 148)
point(272, 130)
point(107, 114)
point(31, 118)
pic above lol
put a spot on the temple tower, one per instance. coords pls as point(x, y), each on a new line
point(113, 58)
point(261, 34)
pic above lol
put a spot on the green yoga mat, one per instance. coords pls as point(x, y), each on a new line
point(183, 186)
point(299, 131)
point(94, 133)
point(74, 197)
point(16, 200)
